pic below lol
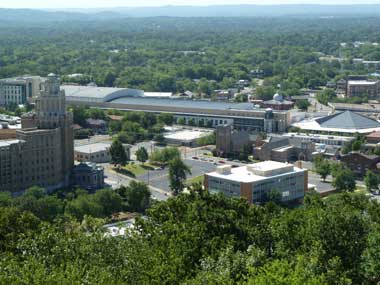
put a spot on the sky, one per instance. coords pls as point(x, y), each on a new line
point(133, 3)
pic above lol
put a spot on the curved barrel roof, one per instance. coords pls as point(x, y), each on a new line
point(98, 94)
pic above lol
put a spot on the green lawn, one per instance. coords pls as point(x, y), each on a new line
point(197, 179)
point(135, 169)
point(361, 189)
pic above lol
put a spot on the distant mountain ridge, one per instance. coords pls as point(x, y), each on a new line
point(31, 15)
point(48, 15)
point(243, 10)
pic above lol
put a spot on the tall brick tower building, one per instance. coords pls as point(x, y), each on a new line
point(43, 153)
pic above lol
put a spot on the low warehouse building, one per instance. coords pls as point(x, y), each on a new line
point(186, 137)
point(97, 152)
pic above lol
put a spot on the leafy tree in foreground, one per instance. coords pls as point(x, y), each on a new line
point(117, 151)
point(303, 104)
point(323, 168)
point(178, 171)
point(136, 196)
point(166, 118)
point(371, 180)
point(371, 258)
point(159, 139)
point(165, 155)
point(142, 154)
point(344, 180)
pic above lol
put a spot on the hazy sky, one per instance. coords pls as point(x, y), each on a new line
point(131, 3)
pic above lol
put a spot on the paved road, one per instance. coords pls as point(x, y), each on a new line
point(116, 180)
point(321, 187)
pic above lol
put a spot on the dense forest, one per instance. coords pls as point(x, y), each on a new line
point(196, 54)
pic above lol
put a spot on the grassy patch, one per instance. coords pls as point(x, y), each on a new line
point(133, 170)
point(124, 171)
point(196, 179)
point(138, 169)
point(361, 190)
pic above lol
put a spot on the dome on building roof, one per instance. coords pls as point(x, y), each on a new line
point(52, 75)
point(278, 97)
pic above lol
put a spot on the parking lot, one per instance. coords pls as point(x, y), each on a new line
point(160, 178)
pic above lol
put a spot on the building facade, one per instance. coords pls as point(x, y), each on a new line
point(256, 182)
point(88, 175)
point(284, 149)
point(19, 90)
point(43, 152)
point(278, 103)
point(373, 138)
point(230, 140)
point(359, 163)
point(363, 88)
point(243, 116)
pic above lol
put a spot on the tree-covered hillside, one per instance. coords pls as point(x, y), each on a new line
point(199, 239)
point(196, 54)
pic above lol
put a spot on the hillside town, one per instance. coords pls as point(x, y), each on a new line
point(201, 145)
point(211, 136)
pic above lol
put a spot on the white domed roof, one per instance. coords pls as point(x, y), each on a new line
point(278, 97)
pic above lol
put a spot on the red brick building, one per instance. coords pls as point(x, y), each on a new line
point(359, 163)
point(373, 137)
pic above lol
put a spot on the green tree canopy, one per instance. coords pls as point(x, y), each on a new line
point(178, 171)
point(142, 154)
point(344, 180)
point(371, 180)
point(117, 151)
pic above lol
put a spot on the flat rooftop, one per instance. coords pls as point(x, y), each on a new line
point(187, 135)
point(91, 148)
point(256, 172)
point(11, 127)
point(317, 136)
point(361, 82)
point(183, 103)
point(158, 94)
point(5, 143)
point(366, 107)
